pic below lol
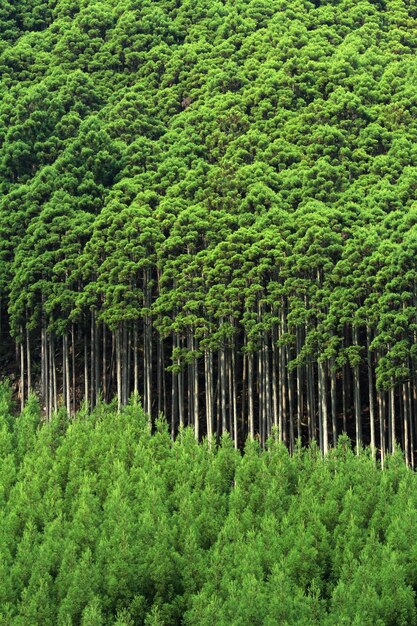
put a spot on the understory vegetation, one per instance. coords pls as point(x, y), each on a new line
point(213, 203)
point(105, 523)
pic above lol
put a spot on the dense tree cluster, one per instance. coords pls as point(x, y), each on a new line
point(212, 203)
point(104, 523)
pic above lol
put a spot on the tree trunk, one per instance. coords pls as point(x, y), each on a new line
point(74, 408)
point(323, 406)
point(393, 437)
point(22, 374)
point(250, 395)
point(119, 369)
point(357, 397)
point(299, 386)
point(333, 399)
point(275, 409)
point(28, 363)
point(406, 424)
point(135, 359)
point(290, 378)
point(208, 371)
point(174, 391)
point(370, 390)
point(234, 397)
point(92, 360)
point(196, 392)
point(222, 370)
point(66, 371)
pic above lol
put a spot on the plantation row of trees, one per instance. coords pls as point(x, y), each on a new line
point(103, 523)
point(212, 204)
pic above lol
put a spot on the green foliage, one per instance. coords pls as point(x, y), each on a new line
point(151, 135)
point(192, 177)
point(105, 523)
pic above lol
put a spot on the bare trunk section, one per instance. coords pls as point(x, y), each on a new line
point(74, 408)
point(234, 398)
point(393, 437)
point(21, 351)
point(323, 405)
point(85, 369)
point(370, 390)
point(104, 363)
point(66, 373)
point(290, 382)
point(222, 375)
point(28, 363)
point(118, 368)
point(196, 395)
point(208, 374)
point(135, 359)
point(357, 396)
point(250, 396)
point(333, 400)
point(299, 385)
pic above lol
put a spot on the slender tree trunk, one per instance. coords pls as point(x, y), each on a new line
point(86, 388)
point(125, 391)
point(261, 411)
point(234, 397)
point(159, 375)
point(22, 374)
point(208, 372)
point(119, 369)
point(381, 412)
point(333, 399)
point(45, 369)
point(50, 376)
point(243, 409)
point(381, 427)
point(196, 398)
point(96, 359)
point(268, 399)
point(112, 368)
point(135, 359)
point(66, 369)
point(28, 363)
point(410, 413)
point(370, 390)
point(299, 386)
point(392, 417)
point(180, 381)
point(290, 378)
point(250, 395)
point(164, 385)
point(43, 372)
point(282, 379)
point(190, 382)
point(357, 397)
point(92, 359)
point(174, 392)
point(406, 424)
point(323, 427)
point(311, 403)
point(222, 388)
point(104, 364)
point(74, 408)
point(54, 377)
point(275, 409)
point(344, 398)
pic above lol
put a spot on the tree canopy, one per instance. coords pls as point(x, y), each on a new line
point(212, 205)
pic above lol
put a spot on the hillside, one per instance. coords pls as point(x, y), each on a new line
point(213, 204)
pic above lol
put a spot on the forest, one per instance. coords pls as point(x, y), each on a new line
point(211, 205)
point(103, 523)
